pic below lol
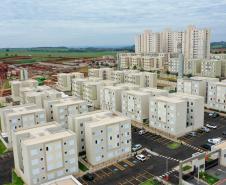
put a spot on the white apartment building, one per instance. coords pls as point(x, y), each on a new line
point(78, 87)
point(45, 153)
point(195, 85)
point(64, 80)
point(117, 76)
point(38, 96)
point(143, 79)
point(103, 73)
point(17, 85)
point(211, 68)
point(135, 104)
point(60, 109)
point(195, 110)
point(128, 86)
point(168, 114)
point(146, 62)
point(20, 117)
point(91, 92)
point(77, 124)
point(107, 138)
point(217, 96)
point(173, 65)
point(68, 180)
point(110, 98)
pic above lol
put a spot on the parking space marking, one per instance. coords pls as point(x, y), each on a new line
point(119, 166)
point(83, 181)
point(105, 172)
point(128, 162)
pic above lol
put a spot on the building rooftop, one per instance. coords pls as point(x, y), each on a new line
point(50, 132)
point(169, 99)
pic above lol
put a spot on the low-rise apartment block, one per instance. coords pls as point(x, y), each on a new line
point(59, 109)
point(64, 80)
point(107, 137)
point(77, 124)
point(195, 110)
point(211, 68)
point(143, 79)
point(20, 117)
point(177, 114)
point(195, 85)
point(103, 73)
point(169, 115)
point(38, 96)
point(117, 76)
point(217, 96)
point(91, 92)
point(78, 87)
point(17, 85)
point(135, 105)
point(154, 91)
point(45, 153)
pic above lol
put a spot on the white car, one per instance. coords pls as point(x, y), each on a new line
point(211, 126)
point(205, 129)
point(141, 157)
point(141, 132)
point(136, 147)
point(215, 140)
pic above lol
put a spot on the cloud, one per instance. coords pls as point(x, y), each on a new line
point(100, 22)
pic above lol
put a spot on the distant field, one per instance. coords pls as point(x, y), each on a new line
point(41, 54)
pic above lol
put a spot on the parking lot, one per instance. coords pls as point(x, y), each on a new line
point(160, 145)
point(202, 137)
point(131, 171)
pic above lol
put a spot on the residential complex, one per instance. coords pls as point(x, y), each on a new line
point(45, 153)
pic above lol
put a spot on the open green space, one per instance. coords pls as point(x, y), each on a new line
point(208, 178)
point(150, 182)
point(174, 145)
point(16, 180)
point(54, 53)
point(82, 167)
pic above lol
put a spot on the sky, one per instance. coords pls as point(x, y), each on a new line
point(81, 23)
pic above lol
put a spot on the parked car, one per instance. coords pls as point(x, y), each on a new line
point(141, 157)
point(142, 132)
point(193, 134)
point(215, 140)
point(224, 133)
point(136, 147)
point(211, 126)
point(213, 114)
point(205, 129)
point(207, 146)
point(89, 177)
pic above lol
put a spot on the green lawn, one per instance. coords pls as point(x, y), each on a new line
point(82, 167)
point(187, 167)
point(150, 182)
point(208, 178)
point(16, 180)
point(174, 145)
point(2, 148)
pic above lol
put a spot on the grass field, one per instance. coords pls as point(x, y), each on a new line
point(174, 145)
point(40, 54)
point(150, 182)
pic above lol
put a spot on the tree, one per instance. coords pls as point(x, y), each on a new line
point(134, 67)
